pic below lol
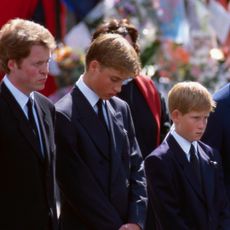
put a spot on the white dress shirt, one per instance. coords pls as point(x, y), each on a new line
point(184, 144)
point(22, 100)
point(91, 96)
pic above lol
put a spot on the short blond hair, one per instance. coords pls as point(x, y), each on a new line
point(114, 51)
point(190, 96)
point(17, 37)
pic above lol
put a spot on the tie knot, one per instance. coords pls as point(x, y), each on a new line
point(30, 102)
point(192, 151)
point(100, 106)
point(99, 103)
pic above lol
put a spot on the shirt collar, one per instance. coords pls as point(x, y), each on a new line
point(184, 144)
point(125, 82)
point(90, 95)
point(20, 97)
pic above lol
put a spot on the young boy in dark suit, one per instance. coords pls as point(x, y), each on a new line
point(184, 175)
point(99, 164)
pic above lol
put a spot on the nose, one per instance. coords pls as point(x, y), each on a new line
point(44, 68)
point(117, 88)
point(203, 123)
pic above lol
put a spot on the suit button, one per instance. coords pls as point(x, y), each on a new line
point(127, 183)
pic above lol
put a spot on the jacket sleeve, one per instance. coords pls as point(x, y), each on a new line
point(138, 197)
point(221, 195)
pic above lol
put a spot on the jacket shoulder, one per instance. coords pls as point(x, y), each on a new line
point(118, 104)
point(162, 152)
point(223, 94)
point(43, 100)
point(65, 105)
point(210, 151)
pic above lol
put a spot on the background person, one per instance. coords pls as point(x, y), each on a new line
point(217, 133)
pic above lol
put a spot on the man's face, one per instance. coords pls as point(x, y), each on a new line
point(31, 74)
point(105, 82)
point(191, 125)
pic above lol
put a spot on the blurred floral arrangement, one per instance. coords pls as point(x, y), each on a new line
point(169, 51)
point(169, 62)
point(165, 59)
point(70, 64)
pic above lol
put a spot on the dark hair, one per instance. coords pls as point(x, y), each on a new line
point(122, 27)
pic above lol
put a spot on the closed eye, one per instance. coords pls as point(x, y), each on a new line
point(115, 79)
point(41, 63)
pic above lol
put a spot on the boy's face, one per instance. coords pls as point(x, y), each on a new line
point(191, 125)
point(105, 82)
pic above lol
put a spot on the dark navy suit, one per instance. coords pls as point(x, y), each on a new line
point(178, 200)
point(217, 133)
point(102, 187)
point(27, 179)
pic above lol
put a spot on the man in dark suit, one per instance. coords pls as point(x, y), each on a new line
point(217, 133)
point(27, 145)
point(99, 164)
point(184, 176)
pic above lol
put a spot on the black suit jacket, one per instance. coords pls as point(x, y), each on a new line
point(144, 123)
point(217, 133)
point(179, 202)
point(101, 188)
point(27, 180)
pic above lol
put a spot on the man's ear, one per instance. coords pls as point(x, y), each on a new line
point(12, 65)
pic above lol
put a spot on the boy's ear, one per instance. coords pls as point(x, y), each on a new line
point(94, 65)
point(175, 115)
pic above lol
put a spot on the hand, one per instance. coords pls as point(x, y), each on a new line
point(130, 227)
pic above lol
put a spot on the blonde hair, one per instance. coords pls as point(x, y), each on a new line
point(17, 37)
point(190, 96)
point(114, 51)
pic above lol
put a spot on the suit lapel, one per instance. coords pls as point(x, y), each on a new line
point(44, 129)
point(180, 156)
point(22, 121)
point(117, 135)
point(85, 114)
point(207, 174)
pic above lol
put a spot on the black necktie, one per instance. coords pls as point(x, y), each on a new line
point(103, 122)
point(194, 161)
point(101, 114)
point(32, 121)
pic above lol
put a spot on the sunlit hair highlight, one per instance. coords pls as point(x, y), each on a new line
point(190, 96)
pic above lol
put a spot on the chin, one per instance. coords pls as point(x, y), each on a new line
point(197, 138)
point(39, 88)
